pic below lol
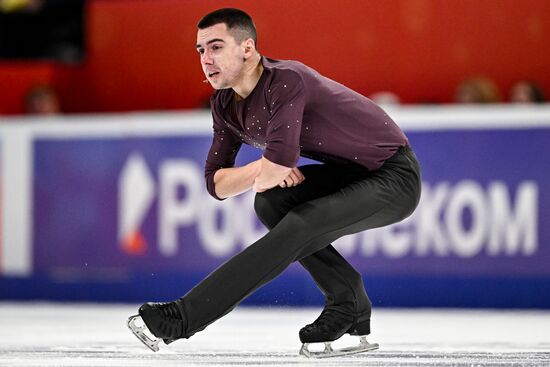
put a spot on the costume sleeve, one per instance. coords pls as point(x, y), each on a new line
point(287, 101)
point(222, 153)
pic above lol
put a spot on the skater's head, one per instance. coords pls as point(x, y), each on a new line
point(239, 24)
point(226, 42)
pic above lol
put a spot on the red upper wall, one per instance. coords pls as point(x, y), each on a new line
point(141, 53)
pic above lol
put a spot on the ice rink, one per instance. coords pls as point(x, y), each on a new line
point(48, 334)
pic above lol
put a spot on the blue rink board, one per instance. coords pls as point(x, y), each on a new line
point(79, 255)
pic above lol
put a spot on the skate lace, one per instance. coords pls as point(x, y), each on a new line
point(170, 311)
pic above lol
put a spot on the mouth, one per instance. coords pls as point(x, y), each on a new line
point(213, 74)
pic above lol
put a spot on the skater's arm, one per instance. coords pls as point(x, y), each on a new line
point(259, 175)
point(233, 181)
point(271, 175)
point(287, 99)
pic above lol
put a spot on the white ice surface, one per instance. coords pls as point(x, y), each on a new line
point(46, 334)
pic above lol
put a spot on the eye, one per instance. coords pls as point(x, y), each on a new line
point(216, 47)
point(200, 50)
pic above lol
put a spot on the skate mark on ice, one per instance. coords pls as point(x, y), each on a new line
point(129, 356)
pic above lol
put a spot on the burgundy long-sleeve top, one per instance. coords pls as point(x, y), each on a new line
point(294, 111)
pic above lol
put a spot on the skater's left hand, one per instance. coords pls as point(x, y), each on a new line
point(271, 174)
point(294, 178)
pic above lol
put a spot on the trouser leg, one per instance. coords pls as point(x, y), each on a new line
point(341, 284)
point(384, 197)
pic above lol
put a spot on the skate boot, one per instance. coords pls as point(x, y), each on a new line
point(165, 321)
point(330, 326)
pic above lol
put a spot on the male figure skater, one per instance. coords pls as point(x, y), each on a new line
point(369, 178)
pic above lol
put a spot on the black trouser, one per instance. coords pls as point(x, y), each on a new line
point(333, 201)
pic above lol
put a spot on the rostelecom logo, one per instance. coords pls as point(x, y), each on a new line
point(136, 192)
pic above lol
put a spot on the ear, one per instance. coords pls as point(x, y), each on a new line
point(249, 48)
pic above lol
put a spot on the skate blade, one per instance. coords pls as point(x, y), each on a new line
point(139, 329)
point(363, 346)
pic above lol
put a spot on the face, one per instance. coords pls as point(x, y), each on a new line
point(222, 58)
point(521, 93)
point(43, 104)
point(467, 94)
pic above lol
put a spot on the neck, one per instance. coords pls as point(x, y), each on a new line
point(251, 75)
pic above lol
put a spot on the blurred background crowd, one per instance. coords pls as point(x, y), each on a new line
point(79, 56)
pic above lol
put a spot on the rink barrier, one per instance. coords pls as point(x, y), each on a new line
point(114, 208)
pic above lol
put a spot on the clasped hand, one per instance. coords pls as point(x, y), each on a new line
point(272, 174)
point(294, 178)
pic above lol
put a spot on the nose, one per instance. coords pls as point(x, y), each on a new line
point(206, 58)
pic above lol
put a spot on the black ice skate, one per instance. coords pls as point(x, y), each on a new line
point(156, 322)
point(330, 326)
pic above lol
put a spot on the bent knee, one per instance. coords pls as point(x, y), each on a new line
point(269, 207)
point(262, 203)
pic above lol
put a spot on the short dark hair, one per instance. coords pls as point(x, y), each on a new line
point(237, 21)
point(536, 92)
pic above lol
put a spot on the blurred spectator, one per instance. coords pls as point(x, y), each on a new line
point(477, 90)
point(385, 98)
point(42, 100)
point(526, 91)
